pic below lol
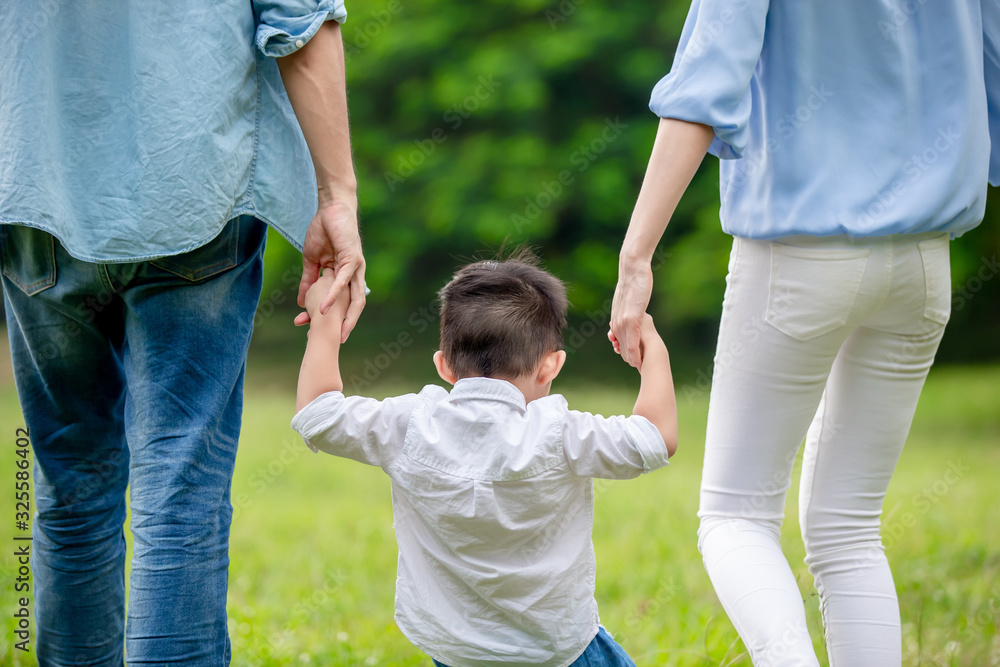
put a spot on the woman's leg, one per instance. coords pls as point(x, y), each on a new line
point(786, 313)
point(852, 450)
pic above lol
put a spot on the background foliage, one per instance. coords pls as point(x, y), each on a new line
point(465, 115)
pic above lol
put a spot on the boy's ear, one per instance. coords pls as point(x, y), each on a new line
point(443, 369)
point(551, 364)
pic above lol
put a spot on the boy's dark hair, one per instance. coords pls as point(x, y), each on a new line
point(499, 317)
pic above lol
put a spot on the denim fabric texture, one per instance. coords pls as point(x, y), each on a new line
point(603, 651)
point(132, 374)
point(134, 130)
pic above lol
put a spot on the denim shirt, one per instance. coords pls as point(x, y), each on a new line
point(134, 130)
point(843, 117)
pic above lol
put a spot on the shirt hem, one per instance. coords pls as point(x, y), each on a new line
point(458, 660)
point(247, 209)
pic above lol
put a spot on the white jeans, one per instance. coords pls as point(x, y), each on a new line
point(830, 340)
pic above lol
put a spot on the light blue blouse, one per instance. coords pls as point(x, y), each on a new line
point(132, 129)
point(864, 117)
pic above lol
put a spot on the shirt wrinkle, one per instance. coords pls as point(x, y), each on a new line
point(97, 156)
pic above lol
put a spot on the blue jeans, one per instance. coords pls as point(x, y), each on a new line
point(602, 651)
point(132, 374)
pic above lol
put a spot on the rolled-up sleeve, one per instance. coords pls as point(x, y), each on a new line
point(991, 66)
point(359, 428)
point(284, 26)
point(709, 82)
point(612, 447)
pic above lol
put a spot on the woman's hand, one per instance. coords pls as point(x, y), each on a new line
point(635, 286)
point(677, 152)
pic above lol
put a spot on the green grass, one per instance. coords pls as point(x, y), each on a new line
point(313, 552)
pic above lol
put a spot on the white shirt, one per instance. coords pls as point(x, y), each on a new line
point(493, 506)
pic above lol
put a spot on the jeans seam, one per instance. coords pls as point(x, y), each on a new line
point(105, 278)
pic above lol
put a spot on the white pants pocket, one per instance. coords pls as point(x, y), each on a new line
point(936, 258)
point(812, 289)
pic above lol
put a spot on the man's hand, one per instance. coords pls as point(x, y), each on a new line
point(315, 82)
point(628, 310)
point(332, 242)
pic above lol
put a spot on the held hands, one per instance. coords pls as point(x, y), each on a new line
point(649, 340)
point(333, 242)
point(315, 299)
point(628, 311)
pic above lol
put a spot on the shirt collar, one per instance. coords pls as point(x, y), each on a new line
point(489, 389)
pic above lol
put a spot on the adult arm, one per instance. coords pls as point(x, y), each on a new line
point(704, 104)
point(314, 78)
point(677, 152)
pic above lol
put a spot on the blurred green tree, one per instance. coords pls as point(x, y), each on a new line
point(479, 124)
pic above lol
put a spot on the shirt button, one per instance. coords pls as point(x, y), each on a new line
point(299, 43)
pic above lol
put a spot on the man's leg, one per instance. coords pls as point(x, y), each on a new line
point(187, 331)
point(64, 334)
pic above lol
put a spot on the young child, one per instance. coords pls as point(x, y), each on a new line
point(492, 486)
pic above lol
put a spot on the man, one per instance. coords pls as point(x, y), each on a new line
point(145, 146)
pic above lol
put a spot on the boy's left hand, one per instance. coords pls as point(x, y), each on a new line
point(314, 300)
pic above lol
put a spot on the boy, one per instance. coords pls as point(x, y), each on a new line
point(492, 485)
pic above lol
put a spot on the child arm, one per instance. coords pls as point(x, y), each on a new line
point(320, 370)
point(656, 401)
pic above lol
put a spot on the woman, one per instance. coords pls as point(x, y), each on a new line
point(855, 141)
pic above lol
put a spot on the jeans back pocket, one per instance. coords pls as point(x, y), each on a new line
point(216, 256)
point(28, 258)
point(812, 289)
point(935, 255)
